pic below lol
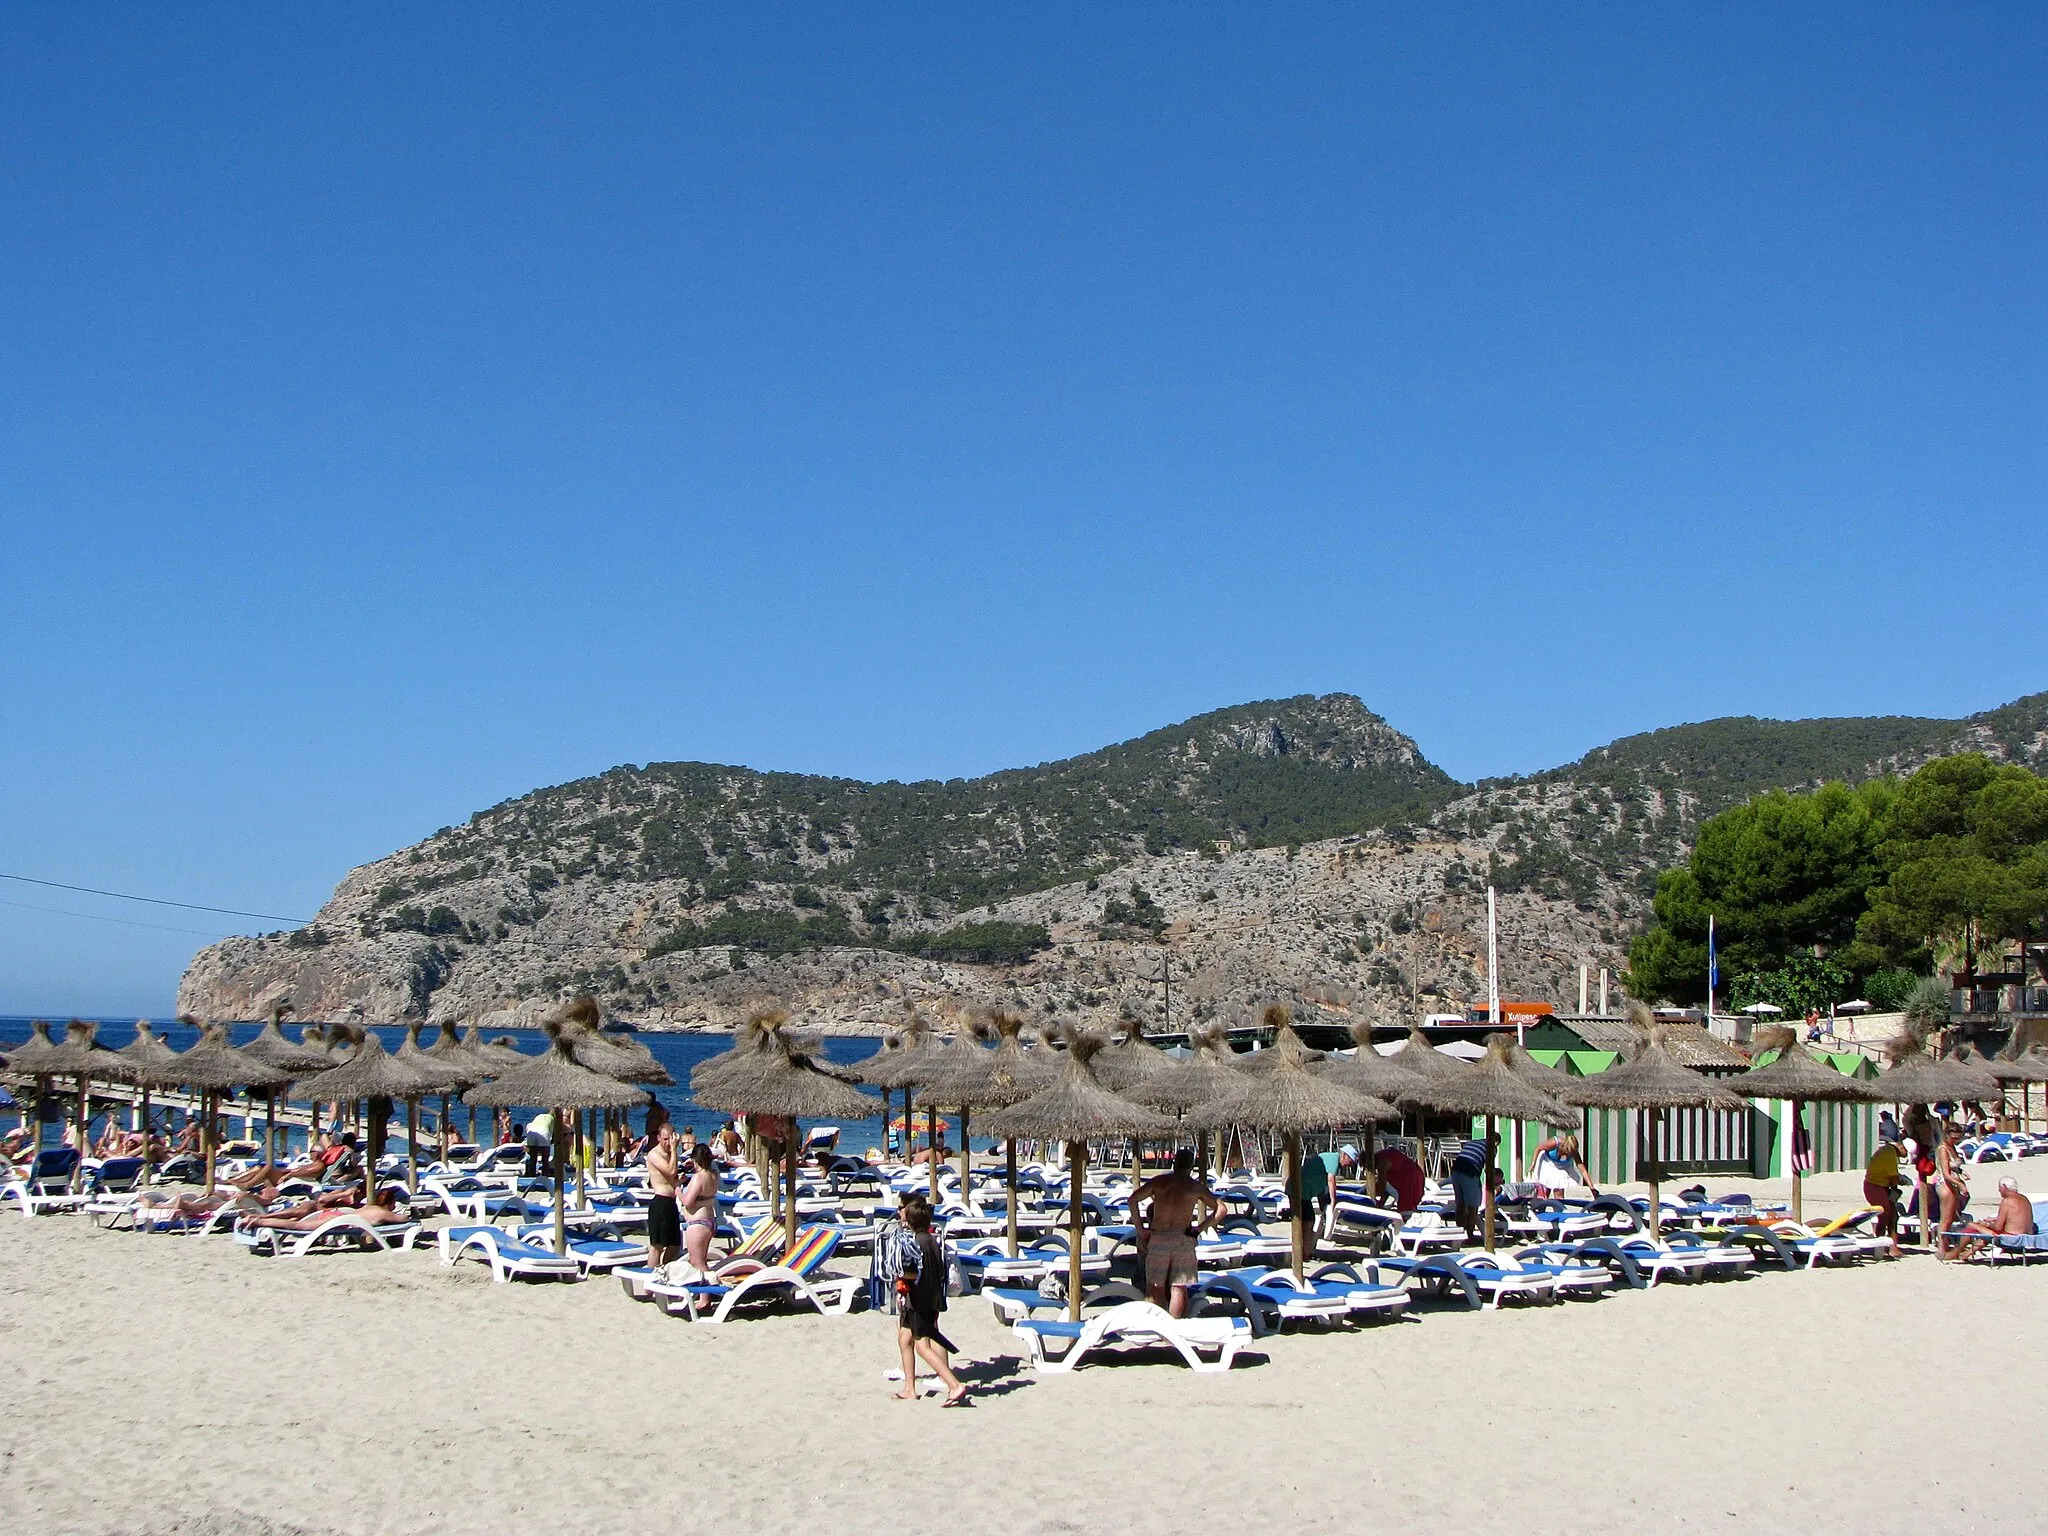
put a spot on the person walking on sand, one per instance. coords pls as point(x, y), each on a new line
point(664, 1225)
point(920, 1298)
point(1170, 1212)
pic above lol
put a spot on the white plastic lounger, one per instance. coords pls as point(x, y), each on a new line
point(799, 1276)
point(344, 1231)
point(508, 1257)
point(1059, 1346)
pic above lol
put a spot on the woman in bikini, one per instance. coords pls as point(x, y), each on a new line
point(699, 1201)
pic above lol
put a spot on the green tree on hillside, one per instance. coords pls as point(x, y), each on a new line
point(1779, 874)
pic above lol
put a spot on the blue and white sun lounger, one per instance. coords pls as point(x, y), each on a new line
point(508, 1257)
point(1060, 1346)
point(340, 1232)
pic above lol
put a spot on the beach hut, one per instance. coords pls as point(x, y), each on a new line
point(1650, 1083)
point(1797, 1078)
point(273, 1049)
point(557, 1082)
point(372, 1074)
point(213, 1067)
point(1072, 1108)
point(1288, 1098)
point(995, 1080)
point(774, 1078)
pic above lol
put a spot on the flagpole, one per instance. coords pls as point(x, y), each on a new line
point(1713, 970)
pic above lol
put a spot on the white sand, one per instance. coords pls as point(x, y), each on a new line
point(177, 1384)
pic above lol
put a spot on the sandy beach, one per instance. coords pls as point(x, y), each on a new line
point(179, 1385)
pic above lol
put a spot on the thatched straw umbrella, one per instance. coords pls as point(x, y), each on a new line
point(995, 1080)
point(1125, 1064)
point(78, 1056)
point(1367, 1071)
point(1491, 1088)
point(1650, 1082)
point(437, 1075)
point(1795, 1076)
point(26, 1059)
point(962, 1063)
point(913, 1062)
point(372, 1074)
point(1290, 1099)
point(616, 1055)
point(148, 1051)
point(466, 1070)
point(556, 1082)
point(1073, 1107)
point(214, 1067)
point(1209, 1073)
point(774, 1078)
point(2019, 1069)
point(272, 1049)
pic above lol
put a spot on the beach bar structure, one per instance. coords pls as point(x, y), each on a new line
point(1752, 1142)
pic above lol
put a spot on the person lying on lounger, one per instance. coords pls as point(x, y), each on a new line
point(193, 1207)
point(2015, 1218)
point(382, 1211)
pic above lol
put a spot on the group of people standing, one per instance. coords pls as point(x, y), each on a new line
point(1933, 1150)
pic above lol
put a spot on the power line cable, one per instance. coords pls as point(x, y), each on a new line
point(126, 922)
point(155, 901)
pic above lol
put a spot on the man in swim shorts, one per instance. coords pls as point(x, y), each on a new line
point(1170, 1212)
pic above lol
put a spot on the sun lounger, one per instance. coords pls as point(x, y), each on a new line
point(1481, 1285)
point(1058, 1346)
point(340, 1232)
point(1270, 1298)
point(599, 1250)
point(509, 1258)
point(799, 1275)
point(46, 1186)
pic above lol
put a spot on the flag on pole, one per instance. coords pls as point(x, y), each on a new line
point(1713, 963)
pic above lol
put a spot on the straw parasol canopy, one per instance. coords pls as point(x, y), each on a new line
point(750, 1037)
point(1290, 1099)
point(449, 1050)
point(1553, 1081)
point(213, 1067)
point(148, 1048)
point(1797, 1076)
point(1492, 1087)
point(1073, 1107)
point(371, 1073)
point(1915, 1077)
point(1983, 1075)
point(274, 1049)
point(494, 1056)
point(27, 1057)
point(2017, 1069)
point(78, 1055)
point(1130, 1061)
point(614, 1055)
point(775, 1078)
point(555, 1081)
point(985, 1079)
point(1369, 1072)
point(1275, 1017)
point(1417, 1055)
point(908, 1062)
point(436, 1074)
point(1652, 1081)
point(1287, 1097)
point(1207, 1075)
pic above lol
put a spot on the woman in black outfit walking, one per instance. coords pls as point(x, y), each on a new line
point(920, 1298)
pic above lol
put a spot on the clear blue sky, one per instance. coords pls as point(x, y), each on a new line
point(404, 407)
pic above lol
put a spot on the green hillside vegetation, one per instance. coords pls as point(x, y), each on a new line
point(1880, 878)
point(1316, 768)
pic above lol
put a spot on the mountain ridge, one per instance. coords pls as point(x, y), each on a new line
point(678, 890)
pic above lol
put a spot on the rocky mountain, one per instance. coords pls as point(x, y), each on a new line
point(1301, 847)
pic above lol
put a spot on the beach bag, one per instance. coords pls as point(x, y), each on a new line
point(956, 1277)
point(681, 1272)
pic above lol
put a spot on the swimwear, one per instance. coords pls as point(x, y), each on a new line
point(662, 1228)
point(1169, 1260)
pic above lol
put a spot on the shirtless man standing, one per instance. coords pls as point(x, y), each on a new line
point(1181, 1207)
point(664, 1223)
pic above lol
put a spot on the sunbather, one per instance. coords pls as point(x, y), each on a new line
point(193, 1207)
point(2015, 1218)
point(381, 1211)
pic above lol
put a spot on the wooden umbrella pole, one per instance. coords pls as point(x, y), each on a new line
point(966, 1185)
point(147, 1159)
point(582, 1161)
point(931, 1146)
point(1798, 1205)
point(270, 1129)
point(789, 1199)
point(206, 1138)
point(1077, 1167)
point(559, 1150)
point(1656, 1170)
point(1010, 1180)
point(1292, 1143)
point(1486, 1185)
point(412, 1146)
